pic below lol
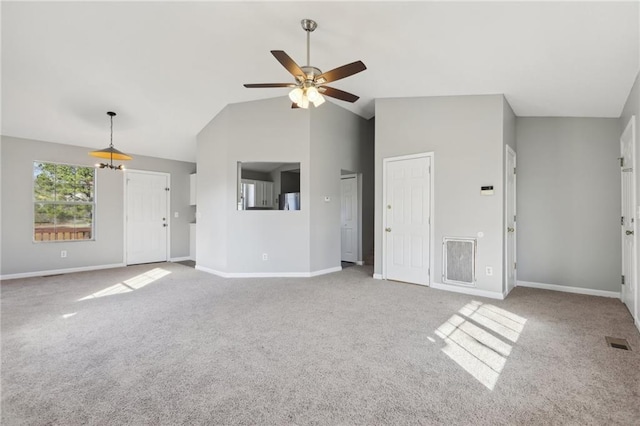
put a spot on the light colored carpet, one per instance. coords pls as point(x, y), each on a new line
point(167, 344)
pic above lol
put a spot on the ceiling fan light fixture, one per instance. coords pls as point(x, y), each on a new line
point(304, 103)
point(296, 95)
point(313, 94)
point(318, 101)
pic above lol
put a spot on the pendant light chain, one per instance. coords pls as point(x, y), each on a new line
point(111, 139)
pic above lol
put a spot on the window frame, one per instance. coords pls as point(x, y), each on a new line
point(93, 203)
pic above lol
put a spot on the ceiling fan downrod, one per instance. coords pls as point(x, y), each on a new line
point(309, 25)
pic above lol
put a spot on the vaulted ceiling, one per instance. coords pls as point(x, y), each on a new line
point(168, 68)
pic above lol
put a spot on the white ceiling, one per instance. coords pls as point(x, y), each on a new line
point(168, 68)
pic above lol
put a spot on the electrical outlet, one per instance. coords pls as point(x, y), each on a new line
point(175, 214)
point(488, 271)
point(265, 256)
point(63, 253)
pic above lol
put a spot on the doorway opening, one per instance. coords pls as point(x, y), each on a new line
point(510, 220)
point(350, 219)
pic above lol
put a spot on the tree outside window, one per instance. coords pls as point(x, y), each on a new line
point(64, 202)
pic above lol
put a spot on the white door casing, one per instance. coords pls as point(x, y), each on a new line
point(510, 220)
point(349, 219)
point(147, 217)
point(407, 211)
point(628, 228)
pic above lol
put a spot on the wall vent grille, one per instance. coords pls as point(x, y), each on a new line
point(459, 261)
point(618, 343)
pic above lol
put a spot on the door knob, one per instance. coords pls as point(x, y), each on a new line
point(629, 232)
point(387, 229)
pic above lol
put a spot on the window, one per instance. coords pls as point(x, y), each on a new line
point(63, 202)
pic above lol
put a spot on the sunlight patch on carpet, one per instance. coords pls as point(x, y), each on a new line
point(129, 285)
point(475, 339)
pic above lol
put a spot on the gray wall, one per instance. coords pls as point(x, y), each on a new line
point(211, 193)
point(233, 241)
point(631, 108)
point(508, 125)
point(466, 135)
point(322, 141)
point(251, 174)
point(568, 202)
point(338, 142)
point(21, 255)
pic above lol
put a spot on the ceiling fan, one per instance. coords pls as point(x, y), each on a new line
point(309, 80)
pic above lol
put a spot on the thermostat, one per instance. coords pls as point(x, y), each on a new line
point(486, 190)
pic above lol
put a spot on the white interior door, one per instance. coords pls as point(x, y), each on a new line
point(628, 228)
point(407, 211)
point(349, 219)
point(147, 217)
point(510, 219)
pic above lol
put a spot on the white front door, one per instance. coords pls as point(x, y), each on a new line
point(628, 228)
point(147, 217)
point(349, 219)
point(510, 219)
point(407, 211)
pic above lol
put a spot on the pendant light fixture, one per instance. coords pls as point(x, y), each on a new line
point(110, 153)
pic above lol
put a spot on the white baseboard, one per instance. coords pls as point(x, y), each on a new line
point(211, 271)
point(268, 274)
point(506, 292)
point(360, 262)
point(325, 271)
point(377, 276)
point(567, 289)
point(60, 271)
point(180, 259)
point(469, 290)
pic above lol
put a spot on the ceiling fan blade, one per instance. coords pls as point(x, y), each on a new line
point(338, 94)
point(341, 72)
point(263, 85)
point(289, 64)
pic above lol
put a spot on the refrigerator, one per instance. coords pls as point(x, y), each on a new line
point(289, 201)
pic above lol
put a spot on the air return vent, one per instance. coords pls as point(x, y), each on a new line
point(618, 343)
point(459, 261)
